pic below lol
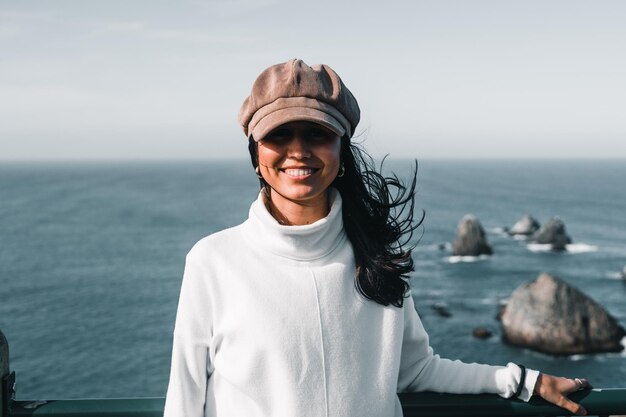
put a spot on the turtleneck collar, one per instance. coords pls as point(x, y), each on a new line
point(302, 243)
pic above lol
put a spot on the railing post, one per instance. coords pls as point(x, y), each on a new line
point(6, 377)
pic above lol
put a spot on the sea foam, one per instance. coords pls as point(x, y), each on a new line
point(457, 259)
point(614, 275)
point(572, 248)
point(581, 248)
point(539, 247)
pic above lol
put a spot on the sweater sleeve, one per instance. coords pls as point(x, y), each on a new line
point(422, 370)
point(190, 365)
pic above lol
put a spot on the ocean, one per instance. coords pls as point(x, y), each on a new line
point(91, 257)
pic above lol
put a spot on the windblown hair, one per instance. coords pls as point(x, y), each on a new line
point(378, 219)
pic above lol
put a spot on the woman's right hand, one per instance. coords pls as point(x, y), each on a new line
point(555, 389)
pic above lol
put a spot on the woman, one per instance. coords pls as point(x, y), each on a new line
point(305, 308)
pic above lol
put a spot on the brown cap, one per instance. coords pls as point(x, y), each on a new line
point(293, 91)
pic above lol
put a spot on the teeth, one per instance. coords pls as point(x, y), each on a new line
point(299, 172)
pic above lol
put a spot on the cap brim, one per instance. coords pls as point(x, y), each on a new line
point(294, 114)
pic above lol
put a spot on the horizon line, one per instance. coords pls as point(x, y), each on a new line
point(246, 158)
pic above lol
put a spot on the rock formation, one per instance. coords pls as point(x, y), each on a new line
point(525, 226)
point(441, 309)
point(551, 316)
point(482, 333)
point(553, 232)
point(470, 238)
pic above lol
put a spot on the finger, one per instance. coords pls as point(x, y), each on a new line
point(567, 386)
point(580, 384)
point(572, 407)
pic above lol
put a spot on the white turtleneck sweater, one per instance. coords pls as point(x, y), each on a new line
point(270, 323)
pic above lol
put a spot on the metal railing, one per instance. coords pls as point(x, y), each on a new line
point(598, 402)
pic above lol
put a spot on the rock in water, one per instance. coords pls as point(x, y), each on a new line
point(553, 233)
point(441, 309)
point(482, 333)
point(551, 316)
point(470, 238)
point(526, 226)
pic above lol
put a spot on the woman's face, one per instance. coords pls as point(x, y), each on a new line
point(299, 160)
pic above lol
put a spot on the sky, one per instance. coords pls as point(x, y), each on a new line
point(153, 79)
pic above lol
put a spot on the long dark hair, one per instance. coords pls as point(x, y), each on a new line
point(378, 219)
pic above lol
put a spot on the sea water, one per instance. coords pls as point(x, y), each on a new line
point(91, 257)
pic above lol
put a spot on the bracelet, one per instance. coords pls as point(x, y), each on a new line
point(522, 381)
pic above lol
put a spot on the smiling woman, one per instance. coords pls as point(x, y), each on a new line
point(298, 161)
point(305, 308)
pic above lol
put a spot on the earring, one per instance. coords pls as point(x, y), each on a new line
point(342, 171)
point(258, 172)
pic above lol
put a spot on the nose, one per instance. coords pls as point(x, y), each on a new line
point(298, 147)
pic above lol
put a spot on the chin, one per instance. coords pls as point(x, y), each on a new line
point(302, 193)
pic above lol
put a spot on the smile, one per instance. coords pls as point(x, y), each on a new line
point(300, 172)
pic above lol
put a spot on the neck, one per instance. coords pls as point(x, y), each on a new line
point(299, 213)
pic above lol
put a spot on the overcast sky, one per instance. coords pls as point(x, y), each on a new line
point(146, 79)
